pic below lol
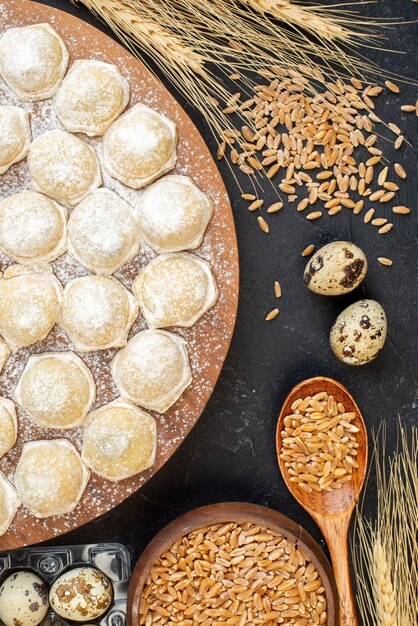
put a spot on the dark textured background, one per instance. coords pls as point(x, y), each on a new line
point(230, 454)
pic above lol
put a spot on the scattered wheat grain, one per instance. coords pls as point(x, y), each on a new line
point(263, 224)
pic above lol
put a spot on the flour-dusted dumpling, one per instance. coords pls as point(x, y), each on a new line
point(173, 214)
point(50, 477)
point(97, 313)
point(140, 146)
point(30, 299)
point(91, 97)
point(9, 504)
point(8, 425)
point(103, 232)
point(33, 228)
point(119, 440)
point(15, 136)
point(33, 61)
point(56, 389)
point(63, 167)
point(153, 370)
point(4, 353)
point(175, 290)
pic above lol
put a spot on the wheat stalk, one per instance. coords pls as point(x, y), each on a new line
point(385, 549)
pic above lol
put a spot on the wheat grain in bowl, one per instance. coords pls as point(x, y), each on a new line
point(232, 573)
point(319, 443)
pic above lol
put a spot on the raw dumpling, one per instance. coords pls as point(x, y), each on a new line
point(63, 167)
point(56, 389)
point(173, 214)
point(50, 477)
point(32, 227)
point(30, 300)
point(8, 425)
point(140, 146)
point(9, 503)
point(119, 440)
point(4, 353)
point(91, 97)
point(175, 290)
point(103, 232)
point(153, 370)
point(33, 61)
point(97, 313)
point(15, 136)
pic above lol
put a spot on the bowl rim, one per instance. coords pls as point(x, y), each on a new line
point(224, 512)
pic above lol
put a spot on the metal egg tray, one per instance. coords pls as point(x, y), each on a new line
point(49, 563)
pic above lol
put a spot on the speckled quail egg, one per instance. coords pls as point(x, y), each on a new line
point(359, 332)
point(335, 269)
point(23, 600)
point(81, 594)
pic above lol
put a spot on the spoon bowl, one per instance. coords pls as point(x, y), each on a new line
point(332, 510)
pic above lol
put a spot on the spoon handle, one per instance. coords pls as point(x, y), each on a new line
point(336, 535)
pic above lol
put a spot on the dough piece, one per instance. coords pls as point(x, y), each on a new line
point(15, 136)
point(140, 146)
point(173, 214)
point(33, 228)
point(30, 299)
point(153, 370)
point(103, 232)
point(63, 167)
point(9, 504)
point(56, 389)
point(91, 97)
point(50, 477)
point(33, 61)
point(4, 353)
point(8, 425)
point(175, 290)
point(97, 313)
point(119, 440)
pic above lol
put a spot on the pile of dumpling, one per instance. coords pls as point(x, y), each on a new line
point(67, 210)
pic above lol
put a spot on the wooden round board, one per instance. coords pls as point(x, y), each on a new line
point(208, 340)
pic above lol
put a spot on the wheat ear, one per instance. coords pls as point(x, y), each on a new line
point(153, 36)
point(384, 590)
point(310, 19)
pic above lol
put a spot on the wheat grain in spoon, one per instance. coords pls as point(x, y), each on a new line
point(332, 510)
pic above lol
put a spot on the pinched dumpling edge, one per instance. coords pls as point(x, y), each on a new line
point(64, 356)
point(57, 251)
point(138, 183)
point(85, 475)
point(123, 403)
point(96, 183)
point(13, 502)
point(208, 207)
point(133, 251)
point(121, 340)
point(10, 408)
point(4, 352)
point(171, 396)
point(99, 129)
point(24, 96)
point(211, 296)
point(27, 133)
point(17, 270)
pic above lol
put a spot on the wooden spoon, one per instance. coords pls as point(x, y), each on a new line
point(331, 510)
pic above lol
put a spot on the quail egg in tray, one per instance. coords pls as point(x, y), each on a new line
point(56, 586)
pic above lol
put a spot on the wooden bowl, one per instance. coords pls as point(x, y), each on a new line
point(241, 513)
